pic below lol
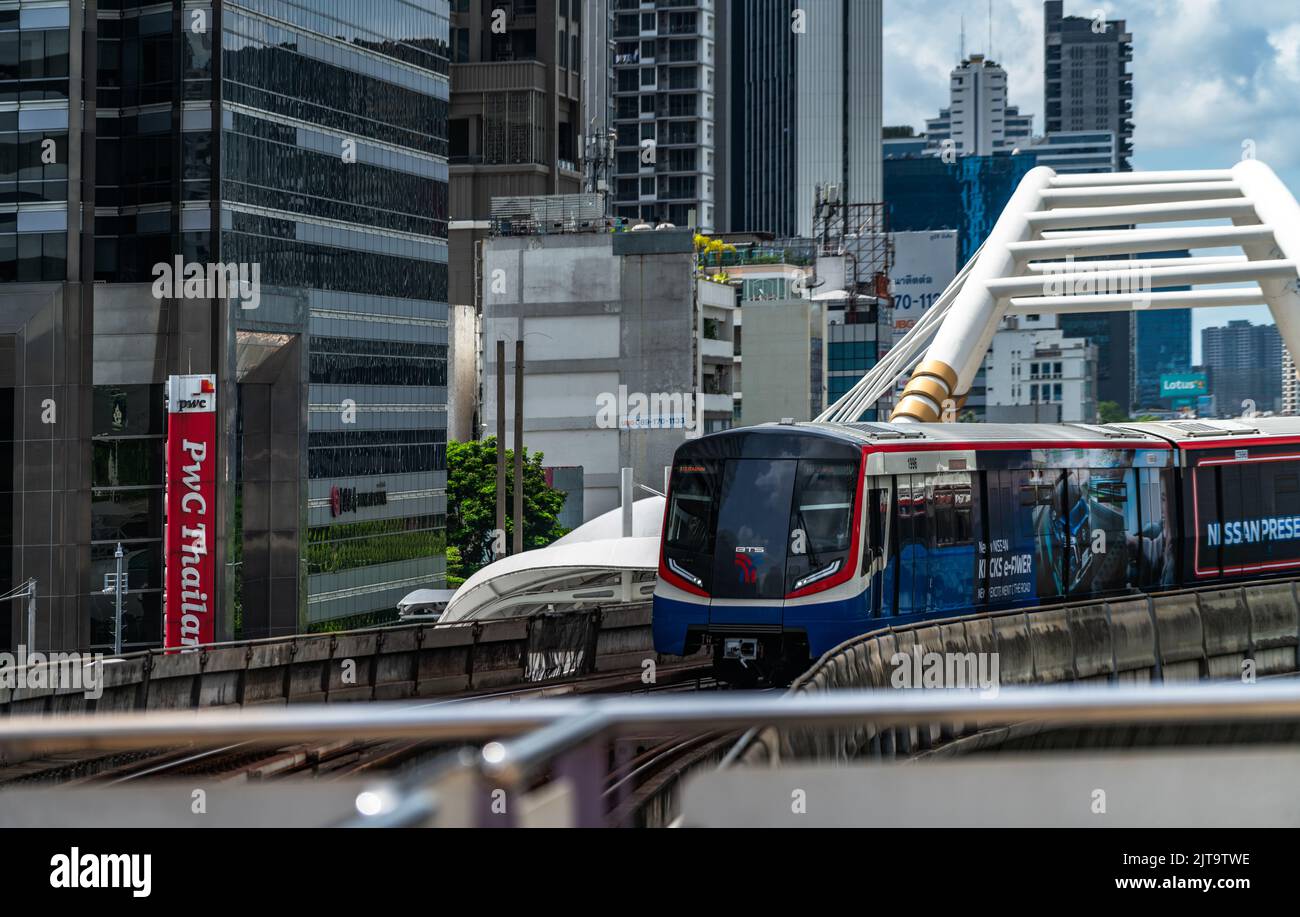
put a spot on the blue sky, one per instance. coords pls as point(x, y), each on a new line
point(1208, 77)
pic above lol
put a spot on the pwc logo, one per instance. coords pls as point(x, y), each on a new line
point(192, 394)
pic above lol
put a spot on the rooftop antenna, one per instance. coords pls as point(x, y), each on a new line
point(962, 50)
point(991, 30)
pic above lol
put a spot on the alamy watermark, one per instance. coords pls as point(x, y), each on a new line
point(945, 670)
point(61, 671)
point(626, 410)
point(179, 279)
point(1082, 278)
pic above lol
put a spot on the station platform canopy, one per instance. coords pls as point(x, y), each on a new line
point(592, 565)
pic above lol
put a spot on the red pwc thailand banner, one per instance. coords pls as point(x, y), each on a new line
point(189, 600)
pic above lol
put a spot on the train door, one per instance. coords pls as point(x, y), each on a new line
point(951, 504)
point(912, 545)
point(1157, 539)
point(753, 528)
point(875, 541)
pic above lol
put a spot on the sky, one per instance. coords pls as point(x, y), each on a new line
point(1210, 79)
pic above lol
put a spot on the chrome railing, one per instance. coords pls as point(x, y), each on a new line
point(513, 745)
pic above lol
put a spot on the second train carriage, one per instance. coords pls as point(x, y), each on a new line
point(783, 540)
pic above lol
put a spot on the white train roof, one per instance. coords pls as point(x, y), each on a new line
point(1244, 429)
point(983, 432)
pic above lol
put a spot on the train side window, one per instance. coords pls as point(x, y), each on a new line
point(1207, 522)
point(873, 535)
point(913, 511)
point(951, 502)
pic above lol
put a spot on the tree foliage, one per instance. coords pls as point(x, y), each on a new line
point(1110, 412)
point(472, 504)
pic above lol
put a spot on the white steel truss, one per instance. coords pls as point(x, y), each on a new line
point(1029, 264)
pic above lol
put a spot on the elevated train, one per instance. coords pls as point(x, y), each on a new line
point(782, 541)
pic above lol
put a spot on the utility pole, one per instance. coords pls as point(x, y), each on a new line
point(117, 613)
point(519, 446)
point(501, 451)
point(31, 615)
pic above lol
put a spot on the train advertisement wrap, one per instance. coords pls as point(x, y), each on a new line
point(1246, 512)
point(1055, 527)
point(191, 506)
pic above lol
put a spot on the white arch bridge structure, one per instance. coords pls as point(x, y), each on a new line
point(1245, 217)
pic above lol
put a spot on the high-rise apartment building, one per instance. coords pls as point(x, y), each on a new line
point(515, 126)
point(670, 70)
point(805, 109)
point(1087, 85)
point(978, 121)
point(304, 147)
point(1245, 365)
point(1290, 385)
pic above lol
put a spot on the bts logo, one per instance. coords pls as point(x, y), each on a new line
point(745, 561)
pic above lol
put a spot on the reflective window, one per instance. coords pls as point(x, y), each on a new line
point(692, 515)
point(821, 518)
point(753, 529)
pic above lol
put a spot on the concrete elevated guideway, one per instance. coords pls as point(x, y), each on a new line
point(389, 663)
point(1130, 661)
point(1243, 633)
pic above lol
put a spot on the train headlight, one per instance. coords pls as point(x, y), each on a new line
point(684, 573)
point(819, 575)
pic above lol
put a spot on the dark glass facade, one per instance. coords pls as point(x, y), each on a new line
point(334, 180)
point(126, 503)
point(967, 195)
point(33, 144)
point(308, 139)
point(1164, 346)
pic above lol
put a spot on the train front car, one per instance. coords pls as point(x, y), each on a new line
point(782, 541)
point(762, 549)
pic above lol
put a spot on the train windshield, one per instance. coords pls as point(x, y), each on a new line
point(821, 521)
point(753, 527)
point(692, 516)
point(759, 528)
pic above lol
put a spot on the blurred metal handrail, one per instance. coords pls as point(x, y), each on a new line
point(576, 720)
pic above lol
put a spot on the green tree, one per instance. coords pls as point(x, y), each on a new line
point(472, 504)
point(1110, 412)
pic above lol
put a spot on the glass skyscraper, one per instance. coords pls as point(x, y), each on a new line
point(805, 109)
point(306, 139)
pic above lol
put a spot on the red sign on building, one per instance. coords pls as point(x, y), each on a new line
point(190, 596)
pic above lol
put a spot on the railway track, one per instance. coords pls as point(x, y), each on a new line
point(248, 761)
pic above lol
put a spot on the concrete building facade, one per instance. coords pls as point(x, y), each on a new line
point(1035, 374)
point(625, 350)
point(1245, 365)
point(1290, 385)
